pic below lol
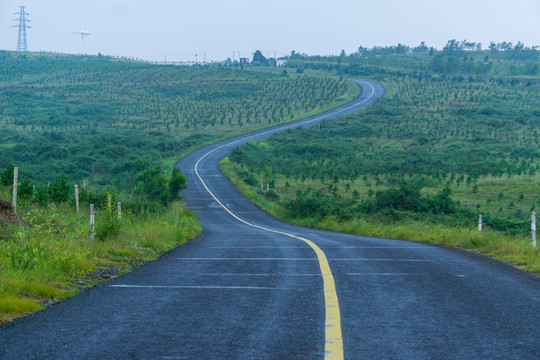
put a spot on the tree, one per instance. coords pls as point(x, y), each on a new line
point(59, 189)
point(177, 183)
point(421, 48)
point(26, 189)
point(41, 195)
point(152, 185)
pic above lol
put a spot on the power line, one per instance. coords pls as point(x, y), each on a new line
point(22, 43)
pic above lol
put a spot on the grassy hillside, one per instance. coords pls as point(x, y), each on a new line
point(108, 125)
point(103, 119)
point(421, 164)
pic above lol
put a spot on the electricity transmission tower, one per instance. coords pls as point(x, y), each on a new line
point(22, 44)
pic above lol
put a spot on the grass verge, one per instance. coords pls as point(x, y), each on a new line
point(512, 249)
point(54, 258)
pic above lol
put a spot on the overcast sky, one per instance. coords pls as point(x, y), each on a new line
point(151, 29)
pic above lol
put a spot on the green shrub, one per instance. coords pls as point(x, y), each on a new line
point(109, 223)
point(59, 190)
point(25, 189)
point(6, 177)
point(152, 185)
point(177, 183)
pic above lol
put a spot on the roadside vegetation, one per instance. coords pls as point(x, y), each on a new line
point(421, 164)
point(48, 252)
point(115, 127)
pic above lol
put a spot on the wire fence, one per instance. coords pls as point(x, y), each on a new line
point(517, 225)
point(25, 174)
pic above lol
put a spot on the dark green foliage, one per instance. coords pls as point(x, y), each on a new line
point(271, 195)
point(6, 177)
point(25, 190)
point(89, 197)
point(177, 183)
point(406, 197)
point(41, 195)
point(152, 185)
point(59, 189)
point(441, 203)
point(318, 204)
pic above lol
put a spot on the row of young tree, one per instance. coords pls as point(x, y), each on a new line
point(95, 117)
point(434, 129)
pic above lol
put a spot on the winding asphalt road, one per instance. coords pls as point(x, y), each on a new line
point(253, 287)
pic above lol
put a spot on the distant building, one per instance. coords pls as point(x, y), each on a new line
point(281, 62)
point(244, 60)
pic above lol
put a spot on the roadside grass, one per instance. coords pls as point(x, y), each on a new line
point(512, 197)
point(515, 249)
point(53, 258)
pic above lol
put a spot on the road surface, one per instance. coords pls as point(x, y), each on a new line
point(253, 287)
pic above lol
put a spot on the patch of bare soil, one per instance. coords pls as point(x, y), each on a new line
point(8, 216)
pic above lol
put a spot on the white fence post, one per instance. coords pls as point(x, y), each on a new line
point(479, 222)
point(119, 209)
point(77, 198)
point(15, 182)
point(92, 221)
point(109, 200)
point(533, 227)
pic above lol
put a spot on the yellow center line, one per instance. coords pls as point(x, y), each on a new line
point(333, 347)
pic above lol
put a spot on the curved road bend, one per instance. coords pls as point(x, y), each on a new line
point(253, 287)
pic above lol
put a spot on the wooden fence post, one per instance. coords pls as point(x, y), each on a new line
point(92, 221)
point(109, 200)
point(479, 222)
point(15, 182)
point(533, 227)
point(77, 198)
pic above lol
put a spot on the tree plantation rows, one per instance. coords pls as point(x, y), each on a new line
point(434, 128)
point(427, 144)
point(97, 116)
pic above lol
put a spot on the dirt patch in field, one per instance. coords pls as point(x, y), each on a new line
point(8, 216)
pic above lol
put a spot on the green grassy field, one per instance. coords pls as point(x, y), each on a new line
point(99, 118)
point(478, 139)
